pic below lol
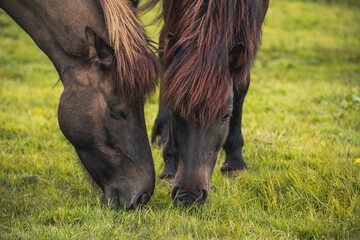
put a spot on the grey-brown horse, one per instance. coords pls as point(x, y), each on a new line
point(106, 66)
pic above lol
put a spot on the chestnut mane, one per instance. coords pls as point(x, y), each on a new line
point(136, 68)
point(197, 79)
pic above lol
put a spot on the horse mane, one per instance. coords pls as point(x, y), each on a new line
point(197, 79)
point(136, 67)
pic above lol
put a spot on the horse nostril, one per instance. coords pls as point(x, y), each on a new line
point(204, 195)
point(143, 199)
point(174, 192)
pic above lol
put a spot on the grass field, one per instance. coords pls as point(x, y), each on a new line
point(301, 127)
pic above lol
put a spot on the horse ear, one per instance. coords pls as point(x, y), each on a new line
point(237, 56)
point(99, 50)
point(169, 41)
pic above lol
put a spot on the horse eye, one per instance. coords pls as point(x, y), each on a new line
point(117, 114)
point(226, 117)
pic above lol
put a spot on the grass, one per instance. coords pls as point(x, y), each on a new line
point(301, 127)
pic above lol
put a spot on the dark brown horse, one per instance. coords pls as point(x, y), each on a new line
point(103, 58)
point(208, 48)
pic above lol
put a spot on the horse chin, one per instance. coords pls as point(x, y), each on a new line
point(111, 198)
point(115, 200)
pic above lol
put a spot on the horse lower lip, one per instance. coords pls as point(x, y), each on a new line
point(189, 198)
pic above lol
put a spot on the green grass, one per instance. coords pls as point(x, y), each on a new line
point(301, 127)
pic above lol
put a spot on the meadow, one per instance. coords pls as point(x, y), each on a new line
point(301, 126)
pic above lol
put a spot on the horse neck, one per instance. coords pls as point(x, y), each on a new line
point(58, 26)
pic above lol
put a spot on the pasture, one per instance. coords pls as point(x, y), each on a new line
point(301, 126)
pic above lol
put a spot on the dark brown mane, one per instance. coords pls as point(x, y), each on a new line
point(135, 72)
point(197, 79)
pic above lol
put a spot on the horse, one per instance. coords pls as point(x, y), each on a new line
point(207, 49)
point(107, 67)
